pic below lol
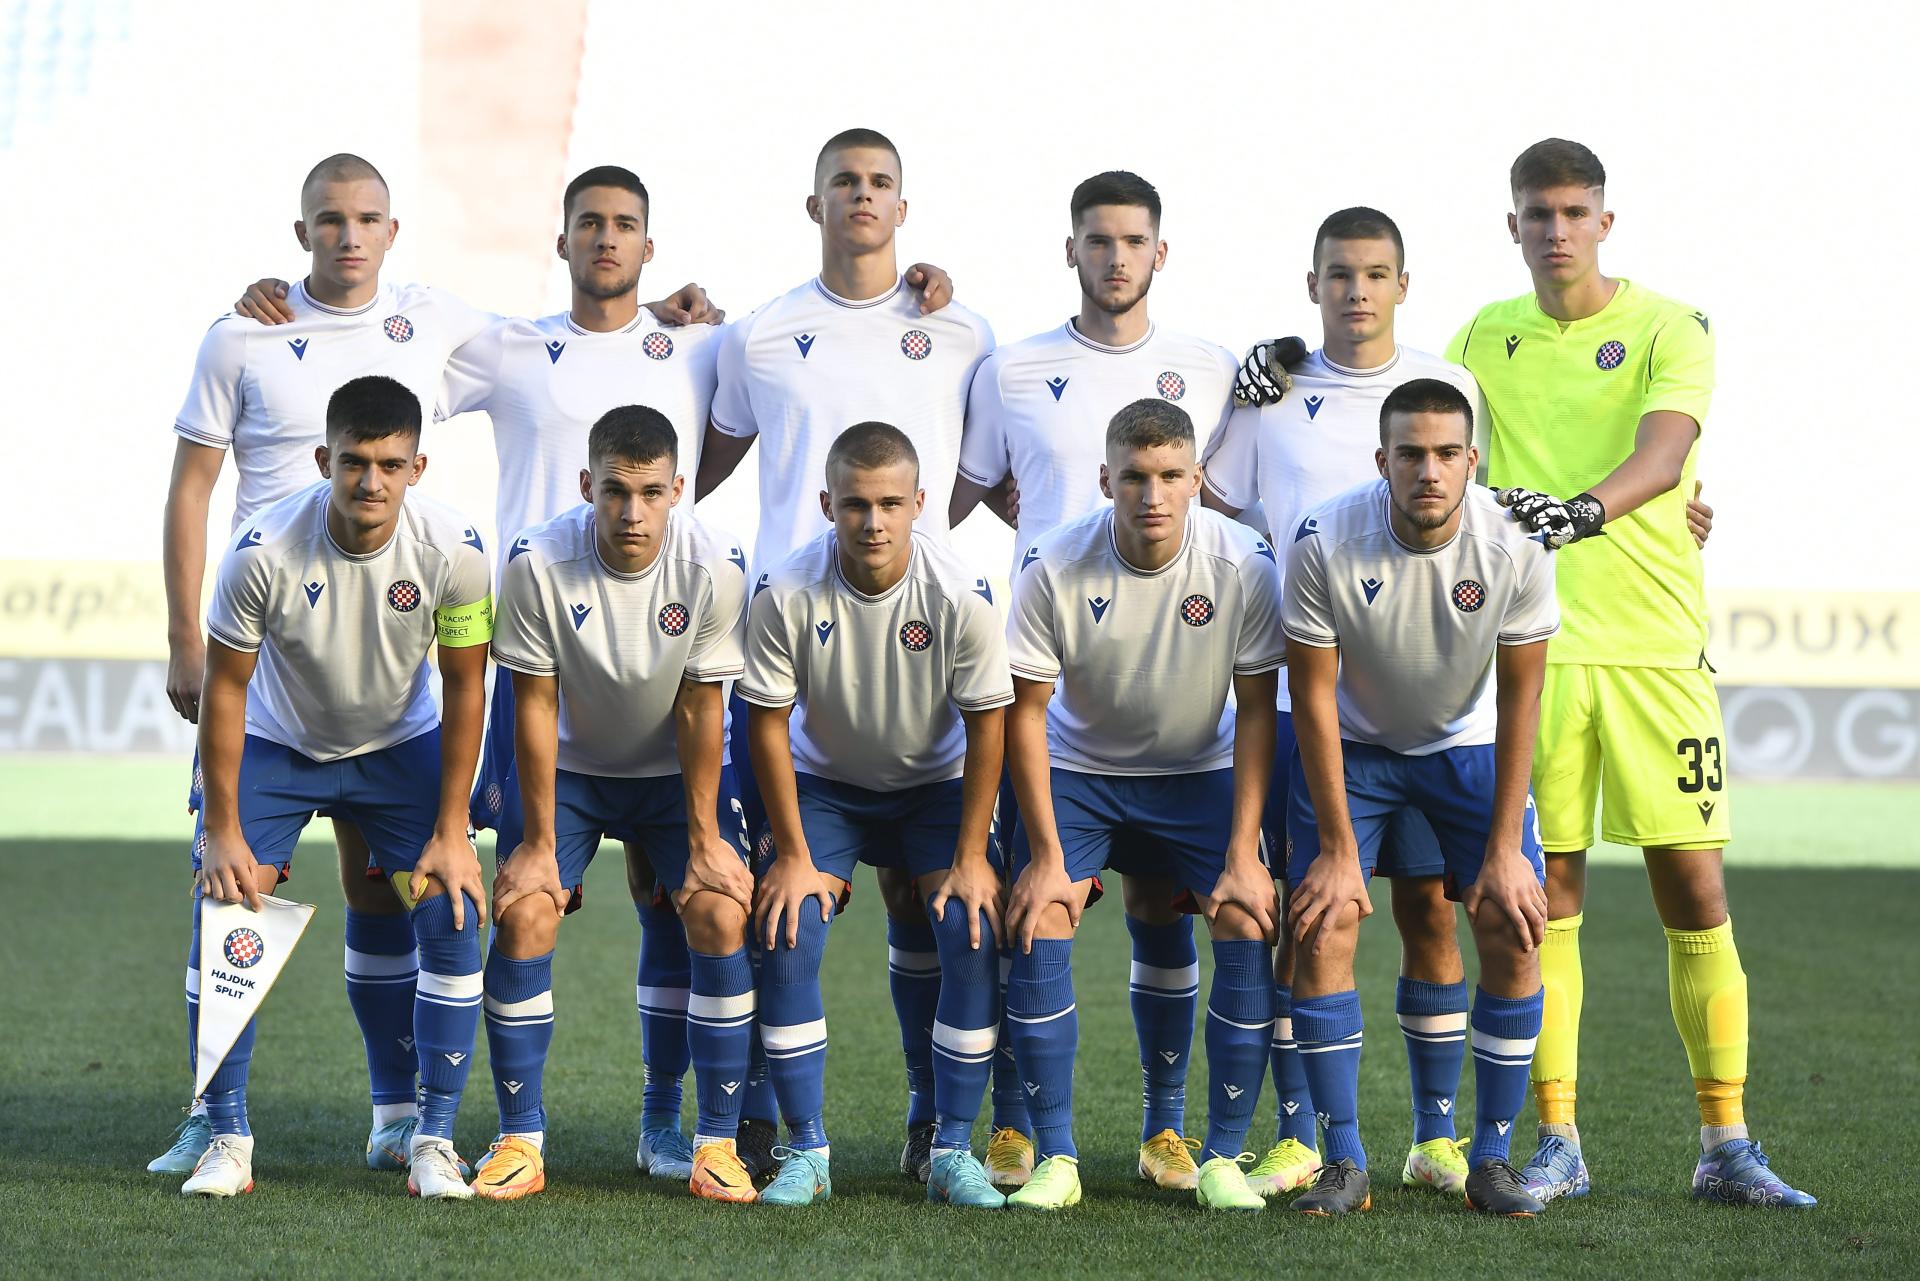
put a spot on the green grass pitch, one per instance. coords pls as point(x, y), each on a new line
point(92, 1074)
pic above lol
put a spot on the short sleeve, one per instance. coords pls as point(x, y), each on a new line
point(1457, 349)
point(1262, 645)
point(237, 613)
point(1534, 612)
point(1680, 368)
point(464, 617)
point(216, 395)
point(980, 675)
point(473, 371)
point(770, 679)
point(1232, 460)
point(983, 441)
point(719, 644)
point(732, 412)
point(523, 634)
point(1033, 644)
point(1307, 614)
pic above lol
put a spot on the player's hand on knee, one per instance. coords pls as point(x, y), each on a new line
point(1332, 881)
point(785, 892)
point(973, 890)
point(934, 286)
point(449, 858)
point(1264, 377)
point(687, 305)
point(1252, 892)
point(529, 870)
point(1039, 888)
point(716, 865)
point(1510, 889)
point(228, 871)
point(266, 302)
point(1699, 518)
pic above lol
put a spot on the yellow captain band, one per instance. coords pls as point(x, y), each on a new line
point(463, 626)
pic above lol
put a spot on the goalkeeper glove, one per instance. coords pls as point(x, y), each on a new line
point(1559, 521)
point(1263, 378)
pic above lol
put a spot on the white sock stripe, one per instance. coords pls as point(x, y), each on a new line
point(460, 988)
point(193, 983)
point(533, 1007)
point(963, 1042)
point(710, 1009)
point(1178, 980)
point(912, 962)
point(373, 965)
point(1432, 1023)
point(1502, 1047)
point(661, 1000)
point(1346, 1043)
point(793, 1037)
point(945, 1053)
point(1043, 1018)
point(1261, 1026)
point(1451, 1039)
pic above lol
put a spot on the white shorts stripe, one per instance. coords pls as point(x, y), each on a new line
point(664, 999)
point(793, 1037)
point(965, 1042)
point(372, 965)
point(534, 1007)
point(718, 1009)
point(461, 988)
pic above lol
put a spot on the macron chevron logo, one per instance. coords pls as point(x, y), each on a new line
point(313, 591)
point(804, 342)
point(1308, 527)
point(554, 348)
point(1056, 385)
point(1446, 1106)
point(1371, 586)
point(1033, 554)
point(299, 346)
point(1171, 1056)
point(1260, 545)
point(1098, 604)
point(1292, 1106)
point(471, 538)
point(1031, 1087)
point(1503, 1126)
point(580, 613)
point(1313, 406)
point(520, 547)
point(406, 1043)
point(823, 630)
point(514, 1087)
point(730, 1086)
point(982, 590)
point(456, 1058)
point(734, 555)
point(1513, 342)
point(253, 538)
point(1234, 1091)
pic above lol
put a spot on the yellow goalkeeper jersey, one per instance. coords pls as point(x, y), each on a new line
point(1564, 403)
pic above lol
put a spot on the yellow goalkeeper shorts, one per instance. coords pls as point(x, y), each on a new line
point(1646, 743)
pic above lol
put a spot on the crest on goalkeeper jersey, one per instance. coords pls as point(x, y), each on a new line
point(241, 955)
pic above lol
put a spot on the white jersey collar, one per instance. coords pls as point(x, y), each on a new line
point(593, 541)
point(860, 597)
point(1073, 332)
point(1179, 557)
point(1386, 511)
point(637, 322)
point(300, 286)
point(1345, 372)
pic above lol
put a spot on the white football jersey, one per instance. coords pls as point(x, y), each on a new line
point(879, 681)
point(262, 390)
point(546, 382)
point(1318, 442)
point(1039, 411)
point(1144, 662)
point(1416, 629)
point(619, 643)
point(343, 639)
point(810, 364)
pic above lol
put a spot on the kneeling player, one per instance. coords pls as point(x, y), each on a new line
point(619, 621)
point(1406, 598)
point(889, 648)
point(316, 699)
point(1147, 613)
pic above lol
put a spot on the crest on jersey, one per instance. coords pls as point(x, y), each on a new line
point(916, 636)
point(1610, 355)
point(403, 596)
point(1313, 406)
point(1468, 595)
point(399, 328)
point(1056, 385)
point(674, 618)
point(657, 346)
point(243, 948)
point(554, 348)
point(1196, 611)
point(915, 345)
point(299, 346)
point(804, 342)
point(1170, 385)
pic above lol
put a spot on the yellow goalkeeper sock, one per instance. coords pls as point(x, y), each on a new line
point(1709, 994)
point(1556, 1059)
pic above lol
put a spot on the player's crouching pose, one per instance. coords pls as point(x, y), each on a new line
point(619, 621)
point(1410, 601)
point(889, 649)
point(316, 699)
point(1146, 614)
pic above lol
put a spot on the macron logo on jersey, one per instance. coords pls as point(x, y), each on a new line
point(823, 630)
point(554, 348)
point(1371, 586)
point(1056, 385)
point(1313, 406)
point(1308, 527)
point(1033, 554)
point(299, 346)
point(1513, 342)
point(579, 613)
point(313, 591)
point(734, 555)
point(804, 342)
point(520, 548)
point(1260, 545)
point(471, 538)
point(986, 593)
point(1098, 604)
point(253, 538)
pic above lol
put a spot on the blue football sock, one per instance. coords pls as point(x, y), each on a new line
point(793, 1029)
point(381, 969)
point(1009, 1099)
point(1164, 990)
point(519, 1010)
point(1293, 1112)
point(446, 1009)
point(1433, 1019)
point(226, 1094)
point(1046, 1035)
point(1328, 1030)
point(660, 993)
point(965, 1028)
point(760, 1104)
point(1504, 1032)
point(913, 976)
point(719, 1028)
point(1239, 1030)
